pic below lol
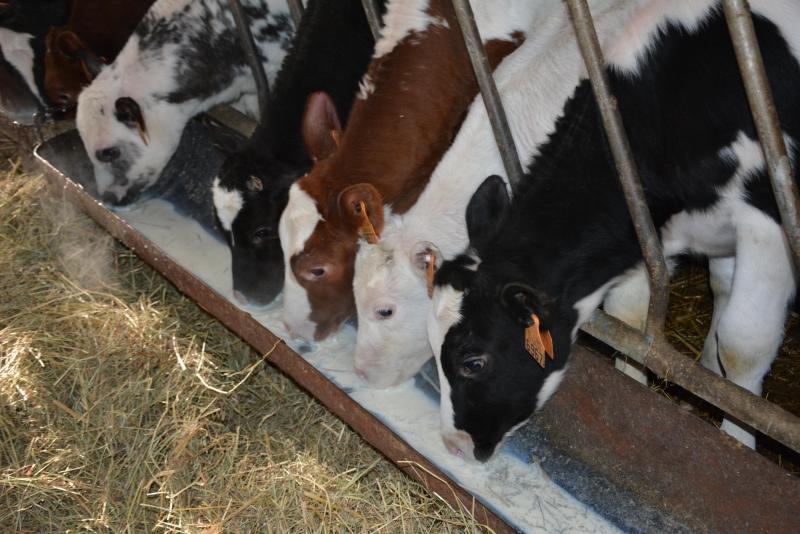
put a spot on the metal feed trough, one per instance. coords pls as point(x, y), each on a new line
point(604, 441)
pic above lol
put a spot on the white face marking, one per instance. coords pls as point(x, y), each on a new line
point(549, 387)
point(17, 50)
point(296, 225)
point(444, 313)
point(227, 202)
point(389, 350)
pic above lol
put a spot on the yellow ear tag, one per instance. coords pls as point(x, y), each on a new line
point(143, 133)
point(538, 343)
point(430, 271)
point(336, 135)
point(366, 230)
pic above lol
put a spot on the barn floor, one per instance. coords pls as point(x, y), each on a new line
point(105, 427)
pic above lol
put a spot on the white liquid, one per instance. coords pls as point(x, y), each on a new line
point(521, 493)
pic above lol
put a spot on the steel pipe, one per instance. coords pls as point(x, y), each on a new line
point(251, 55)
point(373, 17)
point(296, 9)
point(626, 168)
point(765, 116)
point(491, 98)
point(659, 356)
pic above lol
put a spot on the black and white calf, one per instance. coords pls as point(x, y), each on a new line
point(23, 27)
point(329, 53)
point(183, 58)
point(566, 238)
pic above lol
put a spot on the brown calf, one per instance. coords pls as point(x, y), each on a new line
point(412, 102)
point(94, 34)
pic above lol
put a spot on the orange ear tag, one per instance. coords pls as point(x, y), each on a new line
point(537, 343)
point(366, 230)
point(430, 271)
point(336, 135)
point(143, 133)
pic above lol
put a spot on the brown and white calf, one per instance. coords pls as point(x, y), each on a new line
point(94, 34)
point(413, 98)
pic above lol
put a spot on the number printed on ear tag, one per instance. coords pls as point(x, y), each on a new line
point(538, 343)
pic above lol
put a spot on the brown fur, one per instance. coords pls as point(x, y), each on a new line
point(101, 27)
point(393, 141)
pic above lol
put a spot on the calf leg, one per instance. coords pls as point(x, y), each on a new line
point(720, 271)
point(749, 330)
point(628, 302)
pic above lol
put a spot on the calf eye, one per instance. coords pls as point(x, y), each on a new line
point(472, 366)
point(384, 313)
point(261, 235)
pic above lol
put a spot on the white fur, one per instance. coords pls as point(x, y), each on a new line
point(549, 387)
point(144, 75)
point(228, 204)
point(295, 227)
point(17, 50)
point(532, 104)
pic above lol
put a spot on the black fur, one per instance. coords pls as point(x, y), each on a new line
point(568, 231)
point(330, 53)
point(36, 17)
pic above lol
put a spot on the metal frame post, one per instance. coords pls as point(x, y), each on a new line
point(373, 17)
point(491, 98)
point(296, 9)
point(765, 116)
point(251, 55)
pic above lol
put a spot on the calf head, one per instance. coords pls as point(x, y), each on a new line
point(250, 194)
point(70, 65)
point(319, 230)
point(129, 129)
point(481, 319)
point(391, 293)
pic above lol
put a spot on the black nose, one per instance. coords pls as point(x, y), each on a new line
point(64, 99)
point(107, 155)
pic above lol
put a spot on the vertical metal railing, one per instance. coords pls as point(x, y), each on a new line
point(373, 17)
point(296, 9)
point(252, 57)
point(759, 95)
point(491, 98)
point(651, 348)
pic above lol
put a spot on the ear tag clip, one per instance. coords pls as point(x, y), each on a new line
point(538, 343)
point(366, 230)
point(336, 135)
point(430, 271)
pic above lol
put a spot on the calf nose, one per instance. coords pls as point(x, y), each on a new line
point(107, 155)
point(240, 297)
point(64, 99)
point(459, 443)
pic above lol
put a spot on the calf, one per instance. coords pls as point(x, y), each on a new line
point(94, 34)
point(391, 277)
point(183, 58)
point(23, 26)
point(506, 312)
point(330, 53)
point(413, 97)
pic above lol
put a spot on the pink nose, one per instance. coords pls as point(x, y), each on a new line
point(459, 444)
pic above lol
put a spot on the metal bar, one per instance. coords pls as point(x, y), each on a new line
point(491, 98)
point(373, 17)
point(660, 357)
point(251, 55)
point(296, 9)
point(626, 168)
point(765, 116)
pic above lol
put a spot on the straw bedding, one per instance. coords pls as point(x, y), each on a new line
point(105, 426)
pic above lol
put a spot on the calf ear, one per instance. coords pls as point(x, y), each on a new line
point(321, 127)
point(361, 207)
point(522, 301)
point(486, 211)
point(68, 43)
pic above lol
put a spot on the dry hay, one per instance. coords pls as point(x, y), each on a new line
point(104, 426)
